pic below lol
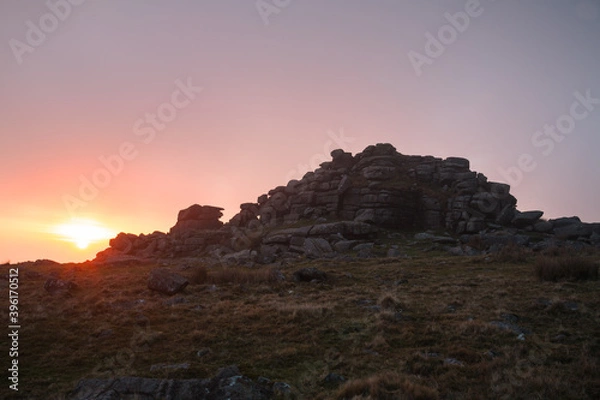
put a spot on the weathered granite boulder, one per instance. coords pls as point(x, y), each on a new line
point(165, 281)
point(317, 248)
point(523, 219)
point(564, 221)
point(197, 217)
point(573, 231)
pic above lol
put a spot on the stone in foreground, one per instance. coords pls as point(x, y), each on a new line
point(164, 281)
point(229, 383)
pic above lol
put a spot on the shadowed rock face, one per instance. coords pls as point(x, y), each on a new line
point(349, 198)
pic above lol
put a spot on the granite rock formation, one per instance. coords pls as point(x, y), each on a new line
point(347, 201)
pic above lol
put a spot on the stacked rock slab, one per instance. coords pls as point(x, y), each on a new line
point(382, 187)
point(197, 217)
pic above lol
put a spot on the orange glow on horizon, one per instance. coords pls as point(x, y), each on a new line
point(83, 232)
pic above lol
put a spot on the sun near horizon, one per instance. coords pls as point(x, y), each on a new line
point(219, 102)
point(82, 232)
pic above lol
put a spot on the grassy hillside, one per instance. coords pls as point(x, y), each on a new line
point(431, 325)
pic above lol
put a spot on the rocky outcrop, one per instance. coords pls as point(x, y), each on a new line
point(386, 189)
point(347, 199)
point(197, 228)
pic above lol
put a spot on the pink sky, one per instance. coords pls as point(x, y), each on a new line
point(272, 97)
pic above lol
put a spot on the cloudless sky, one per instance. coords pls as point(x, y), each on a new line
point(277, 86)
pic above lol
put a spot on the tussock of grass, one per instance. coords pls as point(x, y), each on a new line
point(199, 275)
point(512, 253)
point(389, 301)
point(565, 267)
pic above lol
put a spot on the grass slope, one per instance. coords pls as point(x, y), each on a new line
point(420, 326)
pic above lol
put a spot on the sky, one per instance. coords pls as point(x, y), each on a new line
point(116, 115)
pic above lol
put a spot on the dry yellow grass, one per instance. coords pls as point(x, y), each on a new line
point(390, 327)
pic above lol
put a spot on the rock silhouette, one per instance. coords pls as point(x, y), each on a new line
point(349, 199)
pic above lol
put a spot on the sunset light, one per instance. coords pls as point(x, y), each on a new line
point(300, 199)
point(83, 232)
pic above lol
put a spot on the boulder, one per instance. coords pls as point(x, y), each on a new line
point(378, 173)
point(195, 212)
point(458, 163)
point(241, 257)
point(317, 248)
point(424, 236)
point(55, 286)
point(527, 218)
point(197, 217)
point(542, 226)
point(112, 256)
point(123, 242)
point(365, 215)
point(262, 199)
point(595, 238)
point(344, 246)
point(341, 159)
point(475, 225)
point(229, 383)
point(424, 172)
point(165, 281)
point(564, 221)
point(503, 238)
point(349, 229)
point(573, 231)
point(506, 216)
point(309, 275)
